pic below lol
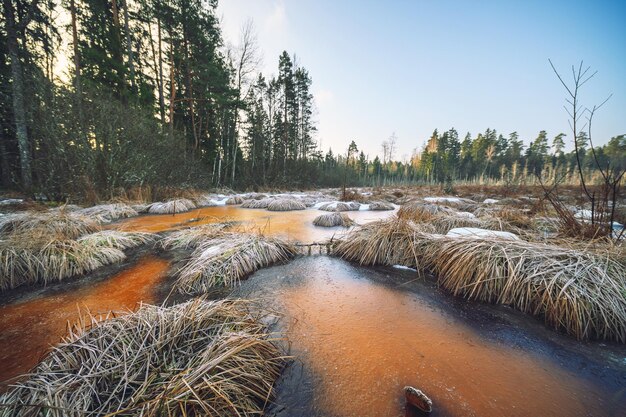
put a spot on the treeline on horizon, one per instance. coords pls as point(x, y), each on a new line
point(488, 157)
point(152, 96)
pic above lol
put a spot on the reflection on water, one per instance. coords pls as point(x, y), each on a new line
point(365, 342)
point(27, 329)
point(296, 225)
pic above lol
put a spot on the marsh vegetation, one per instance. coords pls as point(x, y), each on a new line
point(477, 246)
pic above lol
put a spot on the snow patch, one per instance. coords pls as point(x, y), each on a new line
point(11, 201)
point(481, 233)
point(465, 214)
point(491, 201)
point(404, 267)
point(583, 214)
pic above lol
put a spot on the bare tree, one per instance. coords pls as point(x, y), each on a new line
point(247, 63)
point(603, 200)
point(385, 148)
point(393, 139)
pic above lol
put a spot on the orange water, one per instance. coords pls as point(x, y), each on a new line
point(296, 225)
point(29, 328)
point(366, 342)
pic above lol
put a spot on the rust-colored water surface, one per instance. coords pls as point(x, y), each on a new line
point(364, 341)
point(296, 225)
point(29, 328)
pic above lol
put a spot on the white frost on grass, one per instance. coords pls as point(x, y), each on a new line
point(11, 201)
point(320, 204)
point(480, 233)
point(442, 199)
point(491, 201)
point(465, 214)
point(339, 206)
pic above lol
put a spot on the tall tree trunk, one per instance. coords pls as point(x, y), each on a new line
point(117, 50)
point(235, 143)
point(172, 91)
point(129, 46)
point(17, 90)
point(5, 166)
point(158, 75)
point(77, 76)
point(161, 98)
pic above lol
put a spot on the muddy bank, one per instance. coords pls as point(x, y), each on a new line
point(360, 334)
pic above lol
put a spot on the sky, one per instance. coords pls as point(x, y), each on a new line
point(409, 67)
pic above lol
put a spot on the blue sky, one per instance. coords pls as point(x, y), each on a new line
point(409, 67)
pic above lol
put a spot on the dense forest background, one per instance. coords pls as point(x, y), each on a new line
point(101, 96)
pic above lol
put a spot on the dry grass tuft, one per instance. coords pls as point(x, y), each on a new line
point(234, 200)
point(420, 212)
point(579, 289)
point(582, 292)
point(205, 200)
point(193, 236)
point(340, 206)
point(514, 217)
point(116, 239)
point(443, 219)
point(285, 204)
point(381, 205)
point(226, 259)
point(180, 205)
point(193, 359)
point(107, 213)
point(24, 260)
point(49, 225)
point(257, 204)
point(333, 219)
point(393, 241)
point(256, 196)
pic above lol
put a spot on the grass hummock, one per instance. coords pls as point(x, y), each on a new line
point(106, 213)
point(40, 248)
point(285, 204)
point(193, 359)
point(385, 242)
point(193, 236)
point(333, 219)
point(61, 225)
point(340, 206)
point(179, 205)
point(227, 258)
point(262, 203)
point(380, 206)
point(234, 200)
point(579, 290)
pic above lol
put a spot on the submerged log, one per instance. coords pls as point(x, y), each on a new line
point(418, 399)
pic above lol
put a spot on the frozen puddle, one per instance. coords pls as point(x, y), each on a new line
point(358, 342)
